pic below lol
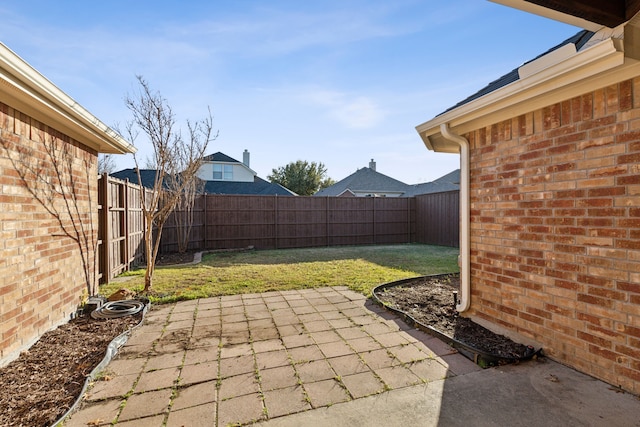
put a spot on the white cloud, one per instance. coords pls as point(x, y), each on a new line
point(351, 111)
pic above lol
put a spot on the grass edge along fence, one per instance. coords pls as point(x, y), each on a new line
point(273, 222)
point(361, 268)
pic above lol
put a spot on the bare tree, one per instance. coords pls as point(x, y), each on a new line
point(48, 168)
point(106, 164)
point(183, 214)
point(176, 160)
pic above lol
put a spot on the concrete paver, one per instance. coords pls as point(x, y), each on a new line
point(326, 392)
point(362, 384)
point(240, 410)
point(324, 357)
point(280, 377)
point(146, 404)
point(285, 401)
point(198, 394)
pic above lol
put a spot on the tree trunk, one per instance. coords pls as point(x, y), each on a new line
point(148, 280)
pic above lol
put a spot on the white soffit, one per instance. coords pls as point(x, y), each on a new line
point(525, 6)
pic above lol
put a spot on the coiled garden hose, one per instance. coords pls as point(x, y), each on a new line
point(114, 309)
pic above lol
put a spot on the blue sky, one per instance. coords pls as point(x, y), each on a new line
point(338, 82)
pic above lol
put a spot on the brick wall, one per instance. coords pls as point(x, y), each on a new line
point(43, 273)
point(555, 211)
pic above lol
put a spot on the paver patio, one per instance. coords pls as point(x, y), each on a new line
point(246, 358)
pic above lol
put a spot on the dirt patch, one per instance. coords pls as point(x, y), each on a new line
point(175, 258)
point(45, 381)
point(430, 301)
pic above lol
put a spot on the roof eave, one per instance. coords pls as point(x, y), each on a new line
point(546, 12)
point(560, 81)
point(25, 89)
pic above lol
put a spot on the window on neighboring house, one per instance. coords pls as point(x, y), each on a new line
point(223, 172)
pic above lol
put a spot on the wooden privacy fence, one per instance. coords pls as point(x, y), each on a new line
point(121, 227)
point(270, 222)
point(438, 218)
point(274, 222)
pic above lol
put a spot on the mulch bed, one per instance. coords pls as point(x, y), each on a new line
point(45, 381)
point(430, 301)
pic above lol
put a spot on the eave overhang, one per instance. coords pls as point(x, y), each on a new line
point(588, 14)
point(26, 90)
point(572, 75)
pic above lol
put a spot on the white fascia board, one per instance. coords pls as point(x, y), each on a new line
point(25, 89)
point(571, 77)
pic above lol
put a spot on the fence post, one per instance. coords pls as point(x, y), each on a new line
point(106, 252)
point(374, 220)
point(275, 219)
point(326, 218)
point(204, 221)
point(125, 202)
point(408, 220)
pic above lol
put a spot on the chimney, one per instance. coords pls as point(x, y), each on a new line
point(245, 157)
point(372, 165)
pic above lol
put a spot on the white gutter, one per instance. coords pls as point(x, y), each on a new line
point(599, 65)
point(464, 260)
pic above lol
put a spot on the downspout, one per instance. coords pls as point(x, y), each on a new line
point(464, 260)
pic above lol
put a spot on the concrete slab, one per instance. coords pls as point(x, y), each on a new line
point(522, 395)
point(243, 361)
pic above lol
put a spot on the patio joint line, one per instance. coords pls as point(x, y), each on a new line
point(130, 393)
point(176, 384)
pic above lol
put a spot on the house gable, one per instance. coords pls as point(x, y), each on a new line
point(366, 182)
point(220, 167)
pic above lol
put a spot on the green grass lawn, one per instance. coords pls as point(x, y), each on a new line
point(361, 268)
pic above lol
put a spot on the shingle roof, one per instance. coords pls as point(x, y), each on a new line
point(452, 177)
point(148, 176)
point(448, 182)
point(258, 186)
point(219, 157)
point(578, 39)
point(365, 180)
point(370, 181)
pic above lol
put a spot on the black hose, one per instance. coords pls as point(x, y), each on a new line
point(114, 309)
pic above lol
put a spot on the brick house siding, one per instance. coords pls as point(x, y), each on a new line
point(555, 230)
point(42, 273)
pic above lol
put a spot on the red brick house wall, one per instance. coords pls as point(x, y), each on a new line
point(555, 230)
point(43, 276)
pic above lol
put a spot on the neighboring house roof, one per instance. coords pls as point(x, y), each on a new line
point(148, 176)
point(28, 91)
point(448, 182)
point(258, 187)
point(452, 177)
point(365, 180)
point(219, 157)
